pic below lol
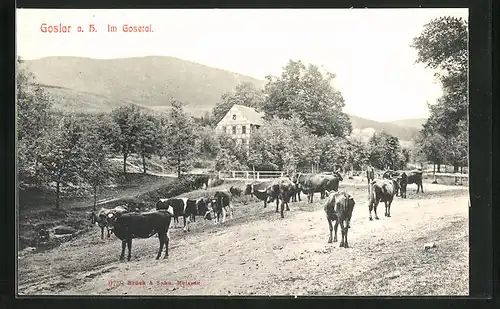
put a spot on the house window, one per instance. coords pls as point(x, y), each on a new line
point(234, 129)
point(244, 130)
point(234, 117)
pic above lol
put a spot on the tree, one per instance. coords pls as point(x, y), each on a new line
point(148, 138)
point(64, 159)
point(385, 152)
point(245, 94)
point(128, 118)
point(309, 94)
point(442, 47)
point(33, 121)
point(96, 169)
point(180, 138)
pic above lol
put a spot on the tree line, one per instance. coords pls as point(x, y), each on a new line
point(305, 128)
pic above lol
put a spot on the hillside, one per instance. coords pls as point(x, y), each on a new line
point(412, 122)
point(100, 85)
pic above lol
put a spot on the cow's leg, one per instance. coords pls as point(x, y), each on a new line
point(109, 232)
point(186, 224)
point(124, 244)
point(277, 204)
point(161, 238)
point(342, 230)
point(231, 211)
point(184, 220)
point(346, 245)
point(282, 208)
point(298, 195)
point(223, 214)
point(422, 187)
point(129, 245)
point(370, 208)
point(375, 209)
point(167, 240)
point(102, 232)
point(265, 203)
point(388, 203)
point(330, 226)
point(287, 207)
point(336, 227)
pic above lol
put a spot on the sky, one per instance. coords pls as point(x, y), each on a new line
point(367, 49)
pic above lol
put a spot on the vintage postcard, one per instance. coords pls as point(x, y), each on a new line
point(318, 152)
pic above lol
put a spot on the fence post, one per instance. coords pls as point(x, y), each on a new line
point(219, 175)
point(246, 175)
point(233, 174)
point(258, 175)
point(281, 175)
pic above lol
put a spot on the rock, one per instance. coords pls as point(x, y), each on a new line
point(393, 275)
point(430, 245)
point(61, 229)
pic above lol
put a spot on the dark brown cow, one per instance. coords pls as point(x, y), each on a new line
point(381, 190)
point(221, 203)
point(285, 188)
point(235, 191)
point(416, 178)
point(143, 225)
point(315, 183)
point(259, 190)
point(339, 207)
point(105, 218)
point(185, 207)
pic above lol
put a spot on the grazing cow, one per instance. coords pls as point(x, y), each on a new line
point(381, 190)
point(315, 183)
point(416, 178)
point(260, 191)
point(143, 225)
point(185, 207)
point(282, 189)
point(221, 203)
point(339, 207)
point(403, 182)
point(105, 217)
point(200, 181)
point(370, 174)
point(235, 191)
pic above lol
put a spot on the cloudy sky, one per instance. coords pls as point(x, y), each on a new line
point(368, 49)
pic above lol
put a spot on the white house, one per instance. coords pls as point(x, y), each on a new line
point(240, 122)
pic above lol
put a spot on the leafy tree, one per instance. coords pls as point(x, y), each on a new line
point(442, 47)
point(34, 119)
point(180, 138)
point(308, 93)
point(96, 169)
point(433, 147)
point(129, 121)
point(385, 152)
point(148, 138)
point(65, 157)
point(245, 94)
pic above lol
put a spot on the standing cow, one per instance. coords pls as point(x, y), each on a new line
point(416, 178)
point(381, 190)
point(185, 207)
point(260, 191)
point(221, 203)
point(285, 188)
point(339, 207)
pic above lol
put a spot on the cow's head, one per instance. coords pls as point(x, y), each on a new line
point(102, 220)
point(249, 189)
point(337, 174)
point(203, 209)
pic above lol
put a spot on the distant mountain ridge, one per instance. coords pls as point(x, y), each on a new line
point(100, 85)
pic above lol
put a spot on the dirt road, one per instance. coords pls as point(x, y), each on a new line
point(258, 253)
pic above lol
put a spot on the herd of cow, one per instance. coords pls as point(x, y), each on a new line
point(339, 205)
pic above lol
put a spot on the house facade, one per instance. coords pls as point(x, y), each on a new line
point(240, 122)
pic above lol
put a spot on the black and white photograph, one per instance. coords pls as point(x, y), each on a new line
point(242, 152)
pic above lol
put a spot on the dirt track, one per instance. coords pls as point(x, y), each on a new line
point(258, 253)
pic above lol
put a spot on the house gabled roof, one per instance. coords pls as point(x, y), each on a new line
point(250, 114)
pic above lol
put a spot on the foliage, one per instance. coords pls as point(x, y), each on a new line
point(148, 139)
point(442, 47)
point(308, 93)
point(128, 118)
point(385, 152)
point(245, 94)
point(63, 160)
point(180, 139)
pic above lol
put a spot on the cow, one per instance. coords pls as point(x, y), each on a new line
point(339, 207)
point(333, 181)
point(403, 182)
point(416, 178)
point(235, 191)
point(260, 191)
point(370, 174)
point(185, 207)
point(105, 217)
point(143, 225)
point(381, 190)
point(200, 181)
point(296, 188)
point(395, 175)
point(221, 203)
point(315, 183)
point(282, 189)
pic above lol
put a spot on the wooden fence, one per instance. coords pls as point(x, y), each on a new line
point(249, 175)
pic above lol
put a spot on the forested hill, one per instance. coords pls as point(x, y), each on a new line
point(100, 85)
